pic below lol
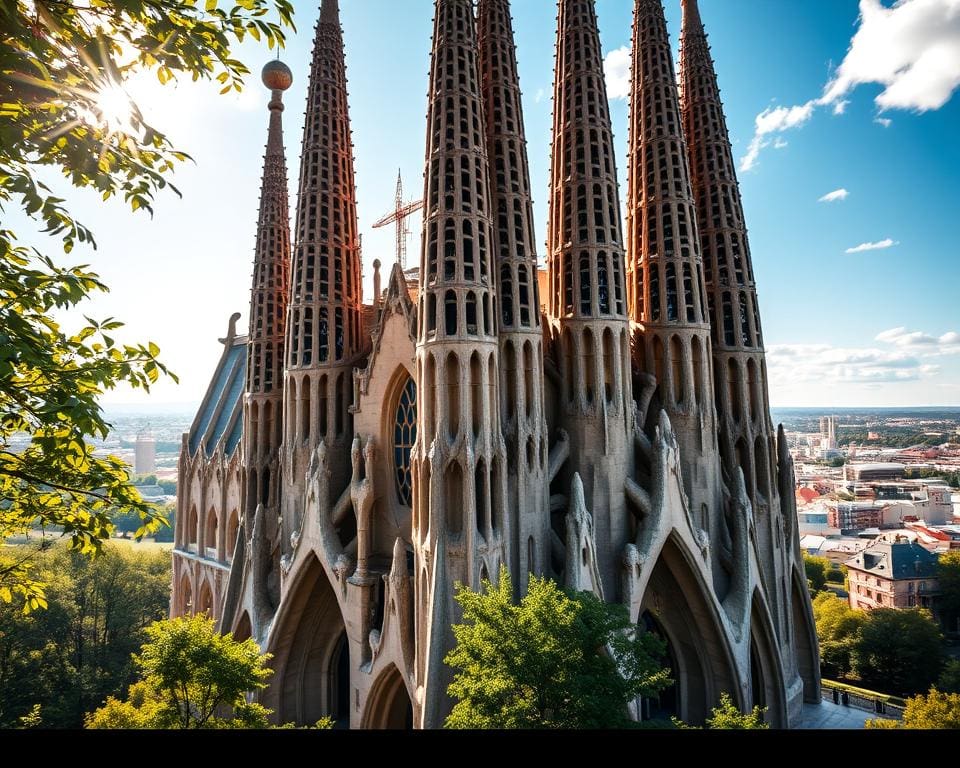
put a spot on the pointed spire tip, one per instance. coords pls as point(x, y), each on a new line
point(692, 23)
point(330, 12)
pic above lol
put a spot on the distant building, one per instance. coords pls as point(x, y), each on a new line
point(878, 471)
point(855, 516)
point(893, 572)
point(828, 435)
point(145, 454)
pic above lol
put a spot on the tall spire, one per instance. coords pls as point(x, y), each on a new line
point(663, 260)
point(263, 405)
point(458, 459)
point(586, 274)
point(325, 333)
point(521, 335)
point(271, 267)
point(263, 402)
point(746, 434)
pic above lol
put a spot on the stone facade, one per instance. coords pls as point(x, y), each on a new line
point(461, 423)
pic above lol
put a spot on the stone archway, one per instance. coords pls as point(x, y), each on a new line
point(389, 706)
point(205, 601)
point(805, 641)
point(186, 595)
point(311, 654)
point(766, 673)
point(701, 660)
point(244, 630)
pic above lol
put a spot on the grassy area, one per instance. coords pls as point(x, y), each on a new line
point(148, 545)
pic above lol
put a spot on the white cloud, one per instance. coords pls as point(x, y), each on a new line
point(832, 197)
point(878, 246)
point(781, 143)
point(774, 120)
point(952, 338)
point(541, 95)
point(905, 356)
point(616, 66)
point(901, 337)
point(912, 48)
point(886, 122)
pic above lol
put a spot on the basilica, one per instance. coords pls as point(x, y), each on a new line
point(603, 421)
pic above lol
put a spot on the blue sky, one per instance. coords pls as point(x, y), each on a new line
point(819, 100)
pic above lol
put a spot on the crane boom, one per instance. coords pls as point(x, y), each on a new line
point(399, 216)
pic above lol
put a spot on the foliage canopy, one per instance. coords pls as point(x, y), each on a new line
point(190, 674)
point(556, 660)
point(57, 60)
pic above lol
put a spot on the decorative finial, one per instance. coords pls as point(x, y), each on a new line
point(277, 76)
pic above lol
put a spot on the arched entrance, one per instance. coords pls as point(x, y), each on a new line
point(766, 674)
point(805, 642)
point(389, 706)
point(244, 630)
point(311, 655)
point(700, 658)
point(186, 596)
point(205, 603)
point(667, 703)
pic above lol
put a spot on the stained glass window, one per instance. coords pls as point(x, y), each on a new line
point(404, 436)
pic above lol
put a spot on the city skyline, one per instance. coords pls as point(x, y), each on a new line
point(825, 168)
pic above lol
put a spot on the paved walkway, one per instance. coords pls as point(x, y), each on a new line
point(827, 715)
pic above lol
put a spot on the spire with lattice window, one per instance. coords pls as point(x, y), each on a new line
point(521, 334)
point(263, 404)
point(459, 490)
point(665, 283)
point(586, 276)
point(325, 327)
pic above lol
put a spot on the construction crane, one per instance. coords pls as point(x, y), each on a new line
point(399, 217)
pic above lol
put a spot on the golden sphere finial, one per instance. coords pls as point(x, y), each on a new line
point(277, 76)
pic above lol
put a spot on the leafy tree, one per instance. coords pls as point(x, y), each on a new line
point(948, 575)
point(127, 523)
point(556, 660)
point(190, 675)
point(838, 629)
point(837, 575)
point(817, 569)
point(728, 716)
point(169, 486)
point(165, 534)
point(935, 710)
point(949, 681)
point(71, 656)
point(899, 651)
point(57, 60)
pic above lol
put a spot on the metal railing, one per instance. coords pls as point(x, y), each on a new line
point(844, 695)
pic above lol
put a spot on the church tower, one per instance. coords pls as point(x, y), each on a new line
point(263, 402)
point(460, 530)
point(745, 429)
point(746, 433)
point(324, 333)
point(586, 276)
point(521, 334)
point(666, 285)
